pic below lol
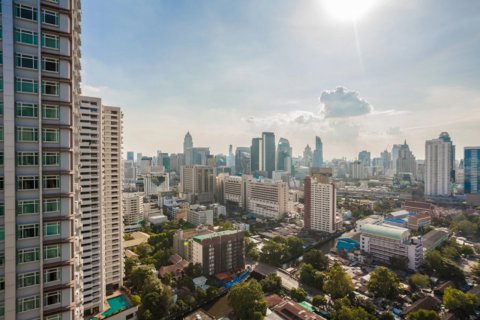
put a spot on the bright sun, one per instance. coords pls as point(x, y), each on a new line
point(348, 9)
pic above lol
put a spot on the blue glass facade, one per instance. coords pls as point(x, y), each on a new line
point(472, 170)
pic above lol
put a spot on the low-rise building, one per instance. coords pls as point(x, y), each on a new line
point(200, 215)
point(419, 221)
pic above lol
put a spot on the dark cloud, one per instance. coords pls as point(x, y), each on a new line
point(342, 103)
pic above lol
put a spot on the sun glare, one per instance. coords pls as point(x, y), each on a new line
point(348, 9)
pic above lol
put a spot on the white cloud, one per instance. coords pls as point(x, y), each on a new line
point(342, 103)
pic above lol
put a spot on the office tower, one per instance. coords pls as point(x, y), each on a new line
point(220, 161)
point(234, 192)
point(358, 170)
point(130, 156)
point(230, 157)
point(242, 160)
point(268, 152)
point(176, 161)
point(197, 183)
point(165, 162)
point(438, 166)
point(145, 165)
point(318, 153)
point(129, 171)
point(154, 183)
point(267, 199)
point(187, 149)
point(444, 136)
point(39, 112)
point(255, 154)
point(386, 161)
point(139, 158)
point(199, 155)
point(395, 153)
point(307, 156)
point(406, 163)
point(322, 175)
point(284, 155)
point(364, 158)
point(320, 205)
point(471, 165)
point(133, 214)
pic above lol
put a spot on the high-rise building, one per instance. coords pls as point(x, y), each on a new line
point(320, 205)
point(446, 138)
point(318, 153)
point(139, 158)
point(471, 164)
point(406, 163)
point(39, 250)
point(230, 157)
point(199, 155)
point(267, 199)
point(386, 161)
point(284, 155)
point(242, 160)
point(130, 156)
point(256, 155)
point(358, 170)
point(307, 156)
point(187, 149)
point(395, 153)
point(133, 214)
point(438, 166)
point(268, 153)
point(364, 158)
point(197, 183)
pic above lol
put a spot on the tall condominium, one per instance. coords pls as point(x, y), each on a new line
point(472, 174)
point(197, 183)
point(320, 204)
point(318, 153)
point(268, 153)
point(40, 268)
point(267, 199)
point(133, 214)
point(438, 166)
point(100, 149)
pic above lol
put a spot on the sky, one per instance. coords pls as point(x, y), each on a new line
point(362, 77)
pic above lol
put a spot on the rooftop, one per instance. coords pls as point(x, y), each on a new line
point(386, 231)
point(202, 237)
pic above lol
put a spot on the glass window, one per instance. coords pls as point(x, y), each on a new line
point(28, 255)
point(2, 209)
point(50, 17)
point(2, 259)
point(54, 317)
point(28, 110)
point(51, 298)
point(27, 183)
point(51, 229)
point(26, 37)
point(25, 12)
point(28, 279)
point(28, 207)
point(51, 158)
point(1, 104)
point(1, 87)
point(25, 231)
point(49, 64)
point(50, 88)
point(27, 158)
point(50, 41)
point(51, 275)
point(51, 252)
point(1, 183)
point(27, 134)
point(26, 85)
point(51, 135)
point(1, 57)
point(2, 283)
point(51, 182)
point(51, 205)
point(1, 158)
point(1, 134)
point(26, 61)
point(50, 112)
point(27, 304)
point(2, 233)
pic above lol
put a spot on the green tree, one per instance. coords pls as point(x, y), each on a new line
point(194, 270)
point(144, 250)
point(316, 258)
point(295, 246)
point(462, 304)
point(157, 302)
point(298, 294)
point(386, 316)
point(161, 257)
point(476, 269)
point(246, 298)
point(159, 241)
point(251, 249)
point(130, 263)
point(338, 283)
point(212, 292)
point(139, 276)
point(423, 314)
point(347, 313)
point(200, 293)
point(271, 283)
point(418, 281)
point(186, 282)
point(311, 276)
point(399, 263)
point(273, 252)
point(136, 300)
point(319, 301)
point(383, 283)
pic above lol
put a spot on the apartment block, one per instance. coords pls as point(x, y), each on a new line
point(320, 201)
point(267, 199)
point(197, 183)
point(133, 211)
point(200, 215)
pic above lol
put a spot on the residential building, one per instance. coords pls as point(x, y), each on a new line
point(471, 173)
point(133, 214)
point(154, 183)
point(438, 166)
point(267, 199)
point(40, 193)
point(384, 242)
point(200, 215)
point(174, 208)
point(129, 171)
point(197, 183)
point(318, 153)
point(234, 193)
point(358, 170)
point(419, 221)
point(320, 202)
point(219, 252)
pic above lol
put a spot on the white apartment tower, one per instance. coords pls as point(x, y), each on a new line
point(438, 167)
point(40, 268)
point(133, 213)
point(320, 211)
point(267, 199)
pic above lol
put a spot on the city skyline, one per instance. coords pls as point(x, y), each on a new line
point(235, 72)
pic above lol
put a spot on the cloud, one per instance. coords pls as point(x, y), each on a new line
point(298, 117)
point(342, 103)
point(394, 131)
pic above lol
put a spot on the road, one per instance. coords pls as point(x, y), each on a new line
point(287, 281)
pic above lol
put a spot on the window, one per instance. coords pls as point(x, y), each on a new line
point(54, 317)
point(50, 112)
point(28, 279)
point(51, 182)
point(27, 158)
point(51, 252)
point(1, 183)
point(1, 57)
point(25, 12)
point(51, 229)
point(27, 304)
point(51, 205)
point(2, 283)
point(2, 209)
point(27, 183)
point(52, 298)
point(51, 135)
point(50, 17)
point(1, 134)
point(49, 64)
point(27, 134)
point(1, 158)
point(26, 85)
point(28, 207)
point(51, 275)
point(50, 41)
point(51, 158)
point(1, 102)
point(1, 88)
point(26, 37)
point(50, 88)
point(27, 110)
point(2, 233)
point(28, 255)
point(25, 231)
point(26, 61)
point(2, 259)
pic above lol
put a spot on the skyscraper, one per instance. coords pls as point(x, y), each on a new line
point(364, 158)
point(318, 153)
point(268, 153)
point(130, 156)
point(406, 161)
point(41, 265)
point(284, 155)
point(438, 166)
point(395, 153)
point(255, 154)
point(242, 160)
point(230, 157)
point(187, 149)
point(446, 138)
point(472, 174)
point(307, 156)
point(320, 204)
